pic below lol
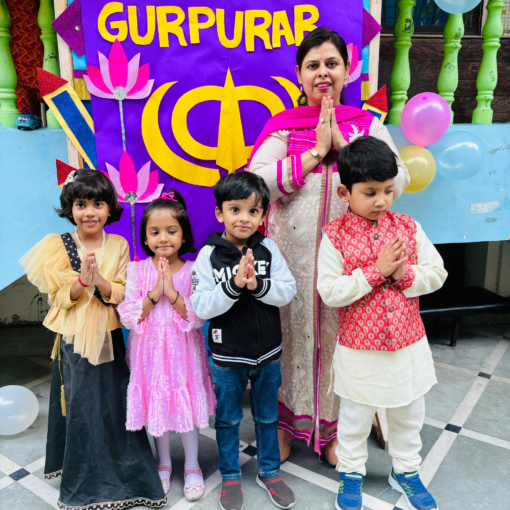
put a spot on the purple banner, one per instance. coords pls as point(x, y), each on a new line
point(219, 69)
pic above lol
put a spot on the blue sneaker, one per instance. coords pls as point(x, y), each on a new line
point(349, 493)
point(409, 484)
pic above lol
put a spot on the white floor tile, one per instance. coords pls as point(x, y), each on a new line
point(7, 466)
point(494, 359)
point(470, 400)
point(38, 464)
point(5, 482)
point(40, 489)
point(485, 438)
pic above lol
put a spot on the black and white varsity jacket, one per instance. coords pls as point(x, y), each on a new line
point(245, 328)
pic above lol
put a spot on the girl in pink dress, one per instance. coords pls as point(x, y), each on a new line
point(170, 386)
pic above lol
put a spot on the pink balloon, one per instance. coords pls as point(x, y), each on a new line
point(425, 119)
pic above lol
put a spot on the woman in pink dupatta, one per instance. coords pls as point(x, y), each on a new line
point(296, 156)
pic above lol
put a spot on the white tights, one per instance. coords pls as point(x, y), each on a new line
point(190, 444)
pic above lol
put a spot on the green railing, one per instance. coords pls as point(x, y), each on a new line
point(49, 40)
point(448, 78)
point(8, 78)
point(400, 77)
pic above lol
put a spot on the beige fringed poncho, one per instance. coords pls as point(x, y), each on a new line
point(87, 322)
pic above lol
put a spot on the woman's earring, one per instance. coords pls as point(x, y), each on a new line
point(300, 88)
point(345, 85)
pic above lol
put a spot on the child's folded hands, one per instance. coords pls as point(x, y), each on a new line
point(392, 258)
point(246, 272)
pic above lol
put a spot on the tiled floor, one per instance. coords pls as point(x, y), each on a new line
point(466, 441)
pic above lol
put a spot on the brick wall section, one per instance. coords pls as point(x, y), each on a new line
point(426, 58)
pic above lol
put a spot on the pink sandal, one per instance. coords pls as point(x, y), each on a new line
point(164, 481)
point(194, 491)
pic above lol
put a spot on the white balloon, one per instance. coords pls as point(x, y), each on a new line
point(18, 409)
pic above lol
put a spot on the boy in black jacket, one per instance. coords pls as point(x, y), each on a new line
point(239, 280)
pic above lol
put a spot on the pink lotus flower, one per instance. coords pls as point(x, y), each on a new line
point(119, 79)
point(356, 63)
point(133, 187)
point(116, 78)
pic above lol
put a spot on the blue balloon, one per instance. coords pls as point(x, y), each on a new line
point(459, 155)
point(457, 6)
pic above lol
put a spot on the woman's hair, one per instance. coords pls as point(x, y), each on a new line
point(89, 185)
point(241, 186)
point(312, 40)
point(179, 212)
point(366, 159)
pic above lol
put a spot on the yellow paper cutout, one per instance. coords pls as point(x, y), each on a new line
point(281, 28)
point(166, 27)
point(251, 30)
point(302, 25)
point(373, 109)
point(365, 90)
point(81, 89)
point(238, 29)
point(109, 9)
point(231, 152)
point(161, 153)
point(195, 26)
point(290, 88)
point(133, 25)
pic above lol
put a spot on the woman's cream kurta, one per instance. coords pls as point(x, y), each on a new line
point(294, 223)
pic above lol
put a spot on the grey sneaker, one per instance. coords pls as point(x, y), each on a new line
point(279, 492)
point(231, 495)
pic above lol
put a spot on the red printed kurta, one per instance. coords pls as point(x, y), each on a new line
point(383, 320)
point(379, 378)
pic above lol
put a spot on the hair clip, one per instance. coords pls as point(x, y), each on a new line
point(70, 178)
point(168, 196)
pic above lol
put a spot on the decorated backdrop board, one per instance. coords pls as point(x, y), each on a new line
point(180, 90)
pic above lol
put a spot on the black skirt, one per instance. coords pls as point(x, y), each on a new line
point(102, 465)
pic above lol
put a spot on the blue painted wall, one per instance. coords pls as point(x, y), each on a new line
point(28, 183)
point(472, 210)
point(477, 209)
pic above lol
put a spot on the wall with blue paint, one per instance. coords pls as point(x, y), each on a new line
point(28, 180)
point(472, 210)
point(476, 209)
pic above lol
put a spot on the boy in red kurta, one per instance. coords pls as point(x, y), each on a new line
point(373, 264)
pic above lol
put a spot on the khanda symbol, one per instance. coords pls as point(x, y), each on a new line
point(231, 152)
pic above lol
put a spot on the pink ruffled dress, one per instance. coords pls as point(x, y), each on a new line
point(171, 385)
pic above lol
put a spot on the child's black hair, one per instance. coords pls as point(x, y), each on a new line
point(366, 159)
point(90, 185)
point(240, 186)
point(179, 212)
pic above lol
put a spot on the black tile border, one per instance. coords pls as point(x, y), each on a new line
point(19, 474)
point(453, 428)
point(250, 450)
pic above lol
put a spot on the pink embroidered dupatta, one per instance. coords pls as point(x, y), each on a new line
point(303, 117)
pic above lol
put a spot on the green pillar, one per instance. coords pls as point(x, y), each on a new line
point(401, 73)
point(49, 40)
point(488, 74)
point(448, 79)
point(8, 79)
